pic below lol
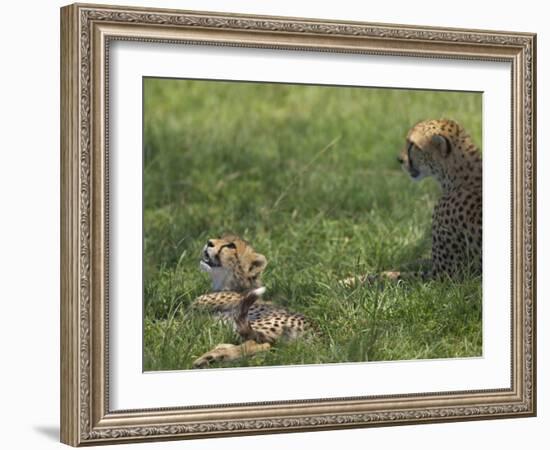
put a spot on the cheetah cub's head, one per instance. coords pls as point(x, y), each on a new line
point(232, 264)
point(428, 149)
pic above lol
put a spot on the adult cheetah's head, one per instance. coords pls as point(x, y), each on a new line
point(232, 263)
point(428, 148)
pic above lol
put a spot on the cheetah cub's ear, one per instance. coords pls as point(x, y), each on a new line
point(257, 265)
point(442, 144)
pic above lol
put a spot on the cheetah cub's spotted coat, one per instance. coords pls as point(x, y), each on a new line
point(236, 268)
point(444, 150)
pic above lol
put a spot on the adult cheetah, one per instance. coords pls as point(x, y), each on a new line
point(444, 150)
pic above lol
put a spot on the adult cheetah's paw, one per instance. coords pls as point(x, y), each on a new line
point(390, 275)
point(359, 280)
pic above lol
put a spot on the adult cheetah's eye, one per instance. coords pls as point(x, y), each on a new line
point(231, 245)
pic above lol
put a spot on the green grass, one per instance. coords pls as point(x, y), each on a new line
point(309, 176)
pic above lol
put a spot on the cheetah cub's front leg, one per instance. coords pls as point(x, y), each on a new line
point(230, 352)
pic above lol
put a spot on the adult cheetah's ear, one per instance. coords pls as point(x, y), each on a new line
point(442, 144)
point(258, 264)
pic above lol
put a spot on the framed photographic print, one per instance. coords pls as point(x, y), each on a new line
point(275, 225)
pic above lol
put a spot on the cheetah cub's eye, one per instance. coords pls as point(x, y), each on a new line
point(231, 245)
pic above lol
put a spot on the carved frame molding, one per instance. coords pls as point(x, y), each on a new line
point(86, 32)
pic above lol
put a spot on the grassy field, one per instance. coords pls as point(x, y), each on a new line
point(309, 176)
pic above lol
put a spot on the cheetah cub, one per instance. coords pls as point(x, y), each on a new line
point(235, 269)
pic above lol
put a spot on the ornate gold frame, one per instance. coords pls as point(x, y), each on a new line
point(86, 31)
